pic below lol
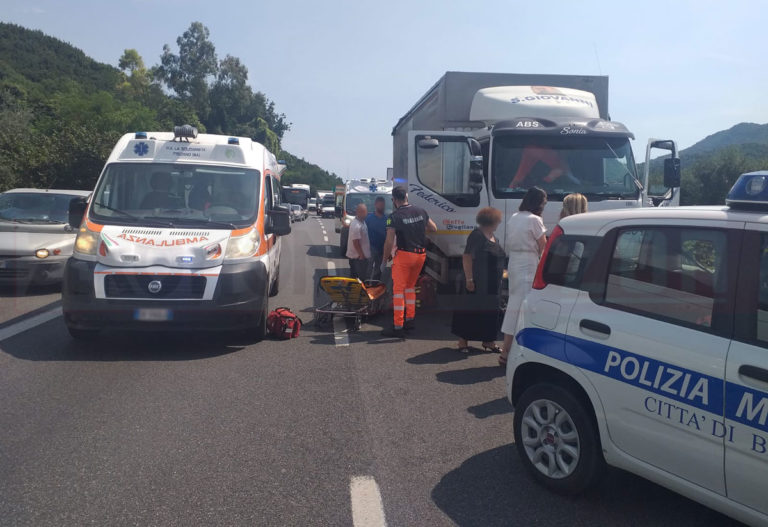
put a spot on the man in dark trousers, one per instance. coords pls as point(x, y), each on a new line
point(377, 234)
point(407, 228)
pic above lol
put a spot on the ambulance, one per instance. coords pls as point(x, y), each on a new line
point(643, 344)
point(183, 231)
point(358, 191)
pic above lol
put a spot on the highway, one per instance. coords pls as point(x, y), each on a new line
point(333, 428)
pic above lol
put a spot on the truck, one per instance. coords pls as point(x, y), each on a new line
point(482, 139)
point(358, 191)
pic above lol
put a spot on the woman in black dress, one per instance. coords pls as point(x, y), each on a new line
point(483, 262)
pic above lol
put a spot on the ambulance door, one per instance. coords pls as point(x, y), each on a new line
point(746, 379)
point(652, 335)
point(271, 199)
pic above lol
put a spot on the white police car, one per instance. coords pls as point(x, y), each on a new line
point(644, 345)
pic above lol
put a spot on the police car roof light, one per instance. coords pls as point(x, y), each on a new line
point(184, 132)
point(141, 135)
point(749, 192)
point(233, 141)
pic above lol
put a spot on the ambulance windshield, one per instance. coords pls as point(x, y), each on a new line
point(182, 195)
point(598, 167)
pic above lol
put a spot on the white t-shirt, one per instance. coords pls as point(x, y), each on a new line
point(523, 230)
point(358, 231)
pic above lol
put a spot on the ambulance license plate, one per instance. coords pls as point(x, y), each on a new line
point(153, 315)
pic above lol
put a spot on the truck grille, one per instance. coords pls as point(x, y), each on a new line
point(137, 286)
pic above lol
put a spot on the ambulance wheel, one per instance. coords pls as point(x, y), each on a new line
point(275, 285)
point(259, 331)
point(82, 334)
point(557, 440)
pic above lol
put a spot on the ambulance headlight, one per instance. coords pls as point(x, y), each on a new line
point(243, 246)
point(87, 241)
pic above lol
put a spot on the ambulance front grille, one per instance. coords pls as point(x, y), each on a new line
point(171, 287)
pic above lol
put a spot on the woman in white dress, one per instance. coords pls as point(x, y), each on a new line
point(525, 240)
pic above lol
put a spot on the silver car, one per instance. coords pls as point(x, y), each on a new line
point(35, 237)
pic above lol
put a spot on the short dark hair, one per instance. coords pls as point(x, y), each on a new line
point(488, 216)
point(379, 198)
point(534, 201)
point(400, 193)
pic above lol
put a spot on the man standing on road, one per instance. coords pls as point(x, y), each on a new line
point(359, 247)
point(407, 228)
point(377, 234)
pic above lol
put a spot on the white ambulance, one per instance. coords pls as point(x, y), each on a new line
point(358, 191)
point(181, 232)
point(644, 344)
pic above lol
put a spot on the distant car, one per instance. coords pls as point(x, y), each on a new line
point(297, 213)
point(35, 237)
point(328, 207)
point(312, 205)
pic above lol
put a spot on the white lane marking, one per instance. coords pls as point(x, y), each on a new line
point(31, 322)
point(340, 335)
point(325, 238)
point(367, 508)
point(328, 250)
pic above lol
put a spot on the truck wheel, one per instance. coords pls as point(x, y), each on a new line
point(276, 285)
point(557, 439)
point(82, 334)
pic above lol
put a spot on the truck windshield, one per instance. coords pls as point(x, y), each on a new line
point(355, 198)
point(178, 194)
point(598, 167)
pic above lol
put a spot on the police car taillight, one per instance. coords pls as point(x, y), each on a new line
point(750, 191)
point(538, 280)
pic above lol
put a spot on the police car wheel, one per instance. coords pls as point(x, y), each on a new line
point(557, 440)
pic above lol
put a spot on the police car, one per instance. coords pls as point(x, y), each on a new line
point(644, 345)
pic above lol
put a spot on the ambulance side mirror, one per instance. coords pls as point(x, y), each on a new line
point(278, 221)
point(77, 207)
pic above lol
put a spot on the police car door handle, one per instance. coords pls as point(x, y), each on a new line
point(592, 325)
point(760, 374)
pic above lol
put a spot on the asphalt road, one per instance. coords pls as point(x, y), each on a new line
point(216, 430)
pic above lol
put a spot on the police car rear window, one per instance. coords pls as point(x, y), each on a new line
point(568, 258)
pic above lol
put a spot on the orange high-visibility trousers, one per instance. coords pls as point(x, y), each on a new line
point(405, 271)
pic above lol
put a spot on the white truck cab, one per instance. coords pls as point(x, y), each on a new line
point(181, 232)
point(358, 191)
point(644, 345)
point(483, 139)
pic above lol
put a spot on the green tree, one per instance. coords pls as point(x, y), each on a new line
point(188, 73)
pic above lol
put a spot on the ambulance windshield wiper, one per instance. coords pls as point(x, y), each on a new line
point(130, 216)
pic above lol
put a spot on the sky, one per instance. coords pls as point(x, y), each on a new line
point(344, 72)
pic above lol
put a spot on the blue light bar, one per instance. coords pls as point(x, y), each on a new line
point(233, 141)
point(750, 191)
point(141, 135)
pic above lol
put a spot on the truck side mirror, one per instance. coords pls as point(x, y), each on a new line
point(278, 221)
point(429, 143)
point(475, 166)
point(77, 208)
point(672, 172)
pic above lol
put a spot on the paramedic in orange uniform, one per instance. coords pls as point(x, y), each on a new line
point(407, 229)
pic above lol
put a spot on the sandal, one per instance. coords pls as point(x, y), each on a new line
point(502, 361)
point(464, 349)
point(492, 348)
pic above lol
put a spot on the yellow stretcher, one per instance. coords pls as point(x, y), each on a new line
point(350, 298)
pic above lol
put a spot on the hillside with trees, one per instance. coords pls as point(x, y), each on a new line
point(61, 112)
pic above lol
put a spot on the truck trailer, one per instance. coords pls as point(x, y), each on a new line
point(482, 139)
